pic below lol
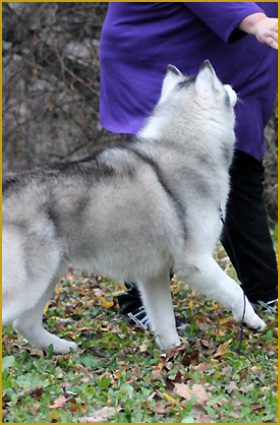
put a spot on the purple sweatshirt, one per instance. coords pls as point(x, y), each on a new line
point(140, 39)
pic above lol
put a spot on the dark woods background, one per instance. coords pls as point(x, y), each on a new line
point(51, 85)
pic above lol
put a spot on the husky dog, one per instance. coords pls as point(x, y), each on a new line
point(131, 212)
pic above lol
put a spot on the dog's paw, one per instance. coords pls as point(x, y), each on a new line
point(257, 324)
point(251, 319)
point(63, 347)
point(60, 346)
point(167, 342)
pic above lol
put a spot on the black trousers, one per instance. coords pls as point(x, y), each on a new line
point(246, 239)
point(248, 230)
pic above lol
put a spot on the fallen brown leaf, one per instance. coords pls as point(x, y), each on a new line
point(59, 402)
point(223, 348)
point(231, 387)
point(86, 372)
point(201, 366)
point(190, 358)
point(255, 406)
point(159, 409)
point(203, 419)
point(100, 416)
point(36, 352)
point(196, 390)
point(35, 392)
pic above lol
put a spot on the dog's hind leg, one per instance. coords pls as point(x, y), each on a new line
point(156, 297)
point(30, 325)
point(29, 267)
point(29, 263)
point(23, 281)
point(203, 274)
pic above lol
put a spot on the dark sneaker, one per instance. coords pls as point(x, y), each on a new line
point(266, 307)
point(139, 317)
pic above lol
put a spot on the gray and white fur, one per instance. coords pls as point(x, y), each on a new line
point(131, 212)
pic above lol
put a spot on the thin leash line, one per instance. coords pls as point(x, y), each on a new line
point(239, 274)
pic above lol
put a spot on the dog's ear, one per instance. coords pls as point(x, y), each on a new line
point(206, 78)
point(172, 77)
point(171, 69)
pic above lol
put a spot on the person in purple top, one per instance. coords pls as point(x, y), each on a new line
point(240, 39)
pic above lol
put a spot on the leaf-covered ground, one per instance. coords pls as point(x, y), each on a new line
point(119, 375)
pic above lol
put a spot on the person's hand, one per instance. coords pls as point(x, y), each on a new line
point(263, 28)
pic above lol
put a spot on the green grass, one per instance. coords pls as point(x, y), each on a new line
point(122, 370)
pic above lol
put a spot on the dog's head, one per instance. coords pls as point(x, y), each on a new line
point(197, 108)
point(205, 87)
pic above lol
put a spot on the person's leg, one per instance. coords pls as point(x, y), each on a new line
point(248, 230)
point(130, 299)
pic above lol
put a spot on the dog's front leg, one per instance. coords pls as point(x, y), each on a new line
point(157, 300)
point(204, 275)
